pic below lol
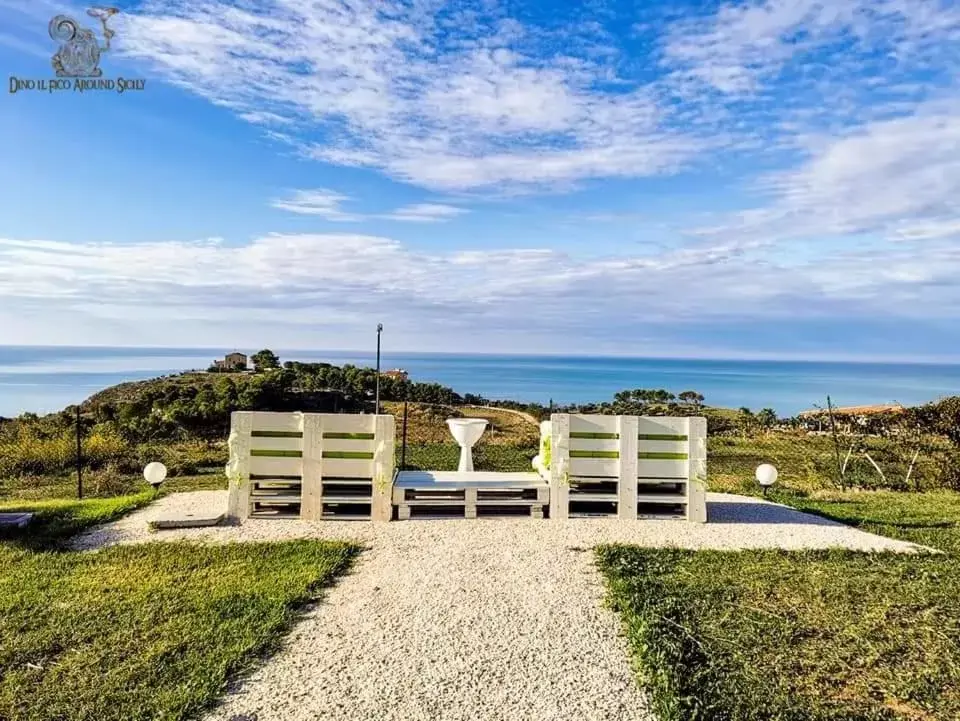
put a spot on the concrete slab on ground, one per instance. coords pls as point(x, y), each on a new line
point(184, 519)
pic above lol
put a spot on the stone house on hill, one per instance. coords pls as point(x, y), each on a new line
point(232, 362)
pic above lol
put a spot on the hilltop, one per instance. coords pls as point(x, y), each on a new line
point(134, 391)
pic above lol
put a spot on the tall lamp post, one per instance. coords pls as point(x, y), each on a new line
point(379, 331)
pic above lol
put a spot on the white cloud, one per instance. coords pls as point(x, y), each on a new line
point(265, 118)
point(896, 178)
point(741, 44)
point(852, 102)
point(745, 45)
point(934, 228)
point(889, 171)
point(466, 98)
point(358, 274)
point(441, 99)
point(325, 203)
point(425, 213)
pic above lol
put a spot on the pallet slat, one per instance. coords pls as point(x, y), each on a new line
point(662, 498)
point(275, 421)
point(593, 497)
point(260, 497)
point(267, 445)
point(459, 509)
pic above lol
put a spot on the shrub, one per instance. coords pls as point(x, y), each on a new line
point(110, 481)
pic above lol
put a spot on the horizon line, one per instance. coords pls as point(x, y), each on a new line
point(881, 360)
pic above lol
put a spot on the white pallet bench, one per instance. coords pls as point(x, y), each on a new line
point(627, 467)
point(312, 466)
point(441, 494)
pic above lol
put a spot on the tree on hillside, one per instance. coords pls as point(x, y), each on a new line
point(691, 398)
point(264, 360)
point(940, 417)
point(767, 418)
point(639, 401)
point(746, 420)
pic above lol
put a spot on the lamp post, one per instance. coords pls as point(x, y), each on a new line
point(766, 476)
point(379, 331)
point(79, 457)
point(154, 474)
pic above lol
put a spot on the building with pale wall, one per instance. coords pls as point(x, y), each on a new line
point(232, 361)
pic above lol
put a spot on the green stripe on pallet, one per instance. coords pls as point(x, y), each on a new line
point(606, 436)
point(594, 454)
point(661, 437)
point(350, 436)
point(662, 456)
point(360, 455)
point(276, 434)
point(275, 454)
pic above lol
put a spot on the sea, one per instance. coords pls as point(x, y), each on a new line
point(47, 379)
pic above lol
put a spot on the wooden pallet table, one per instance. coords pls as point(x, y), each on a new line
point(452, 494)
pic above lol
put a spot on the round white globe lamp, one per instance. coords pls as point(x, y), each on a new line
point(155, 473)
point(766, 476)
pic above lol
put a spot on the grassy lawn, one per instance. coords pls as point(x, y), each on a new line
point(56, 520)
point(150, 631)
point(931, 518)
point(29, 489)
point(446, 457)
point(427, 424)
point(154, 631)
point(779, 635)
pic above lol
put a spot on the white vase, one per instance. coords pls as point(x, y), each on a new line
point(466, 432)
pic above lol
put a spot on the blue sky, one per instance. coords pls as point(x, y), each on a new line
point(771, 179)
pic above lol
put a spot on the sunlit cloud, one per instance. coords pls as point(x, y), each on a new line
point(324, 203)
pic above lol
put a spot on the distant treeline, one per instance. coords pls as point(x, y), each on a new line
point(184, 418)
point(198, 405)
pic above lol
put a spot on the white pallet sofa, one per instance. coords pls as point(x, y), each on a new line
point(626, 467)
point(312, 466)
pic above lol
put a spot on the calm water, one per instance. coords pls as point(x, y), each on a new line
point(42, 380)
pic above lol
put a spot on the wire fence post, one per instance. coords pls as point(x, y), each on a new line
point(836, 445)
point(79, 458)
point(379, 331)
point(403, 447)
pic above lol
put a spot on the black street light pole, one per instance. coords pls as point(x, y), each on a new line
point(379, 331)
point(79, 457)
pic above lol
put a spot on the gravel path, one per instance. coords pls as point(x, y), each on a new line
point(735, 522)
point(467, 620)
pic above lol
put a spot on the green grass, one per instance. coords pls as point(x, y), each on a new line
point(446, 457)
point(150, 631)
point(931, 518)
point(780, 636)
point(98, 485)
point(56, 520)
point(810, 462)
